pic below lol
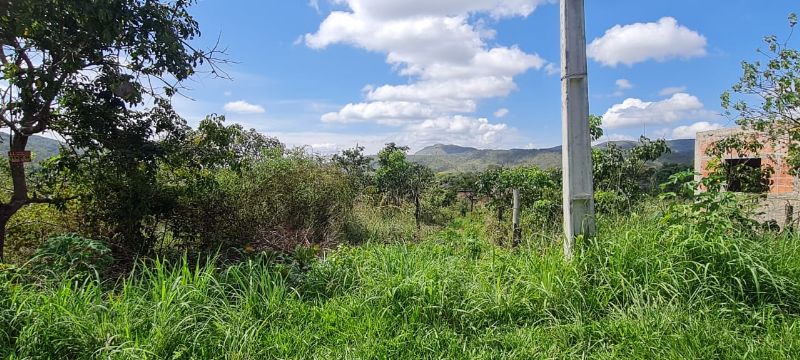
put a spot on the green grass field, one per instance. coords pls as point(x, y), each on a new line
point(642, 289)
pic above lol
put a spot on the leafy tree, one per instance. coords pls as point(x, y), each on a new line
point(536, 187)
point(398, 179)
point(595, 131)
point(624, 172)
point(768, 98)
point(100, 74)
point(391, 175)
point(133, 206)
point(355, 164)
point(665, 173)
point(491, 187)
point(420, 177)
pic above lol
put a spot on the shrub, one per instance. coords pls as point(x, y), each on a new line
point(277, 203)
point(71, 256)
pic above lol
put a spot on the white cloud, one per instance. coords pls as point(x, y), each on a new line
point(501, 113)
point(690, 131)
point(439, 45)
point(635, 43)
point(552, 69)
point(243, 107)
point(624, 84)
point(382, 112)
point(668, 91)
point(385, 10)
point(314, 4)
point(614, 137)
point(635, 112)
point(459, 130)
point(447, 91)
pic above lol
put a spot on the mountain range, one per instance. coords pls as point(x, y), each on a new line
point(444, 158)
point(41, 148)
point(454, 158)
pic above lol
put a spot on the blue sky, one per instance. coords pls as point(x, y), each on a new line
point(482, 73)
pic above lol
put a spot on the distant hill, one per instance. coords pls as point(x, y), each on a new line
point(453, 158)
point(42, 148)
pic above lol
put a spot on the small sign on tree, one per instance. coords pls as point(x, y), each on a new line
point(19, 156)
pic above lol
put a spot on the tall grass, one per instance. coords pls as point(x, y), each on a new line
point(642, 289)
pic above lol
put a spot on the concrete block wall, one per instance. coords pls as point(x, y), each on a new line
point(785, 188)
point(771, 155)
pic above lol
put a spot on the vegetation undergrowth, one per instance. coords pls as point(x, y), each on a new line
point(643, 288)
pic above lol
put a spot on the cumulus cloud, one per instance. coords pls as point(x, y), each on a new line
point(385, 10)
point(613, 137)
point(690, 131)
point(382, 112)
point(636, 112)
point(501, 113)
point(668, 91)
point(459, 130)
point(243, 107)
point(552, 69)
point(624, 84)
point(443, 48)
point(661, 41)
point(314, 4)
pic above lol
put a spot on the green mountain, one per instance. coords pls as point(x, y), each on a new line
point(453, 158)
point(42, 148)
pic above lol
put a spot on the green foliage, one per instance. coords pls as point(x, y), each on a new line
point(100, 74)
point(392, 174)
point(32, 225)
point(710, 207)
point(626, 172)
point(356, 165)
point(595, 129)
point(664, 173)
point(642, 290)
point(282, 203)
point(775, 90)
point(131, 203)
point(399, 180)
point(70, 256)
point(746, 178)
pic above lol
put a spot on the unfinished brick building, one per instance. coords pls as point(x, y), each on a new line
point(784, 189)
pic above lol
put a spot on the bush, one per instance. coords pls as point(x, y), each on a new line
point(71, 256)
point(277, 203)
point(31, 226)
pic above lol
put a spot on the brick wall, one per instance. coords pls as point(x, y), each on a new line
point(770, 155)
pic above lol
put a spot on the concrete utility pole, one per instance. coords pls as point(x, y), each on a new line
point(577, 159)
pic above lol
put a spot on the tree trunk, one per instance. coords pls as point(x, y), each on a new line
point(20, 195)
point(3, 221)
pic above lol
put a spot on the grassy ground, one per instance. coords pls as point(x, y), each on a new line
point(642, 289)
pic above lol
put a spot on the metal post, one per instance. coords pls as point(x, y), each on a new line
point(577, 160)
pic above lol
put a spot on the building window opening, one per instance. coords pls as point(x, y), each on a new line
point(746, 175)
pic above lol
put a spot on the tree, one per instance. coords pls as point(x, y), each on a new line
point(400, 179)
point(355, 164)
point(490, 186)
point(775, 88)
point(392, 173)
point(625, 172)
point(98, 73)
